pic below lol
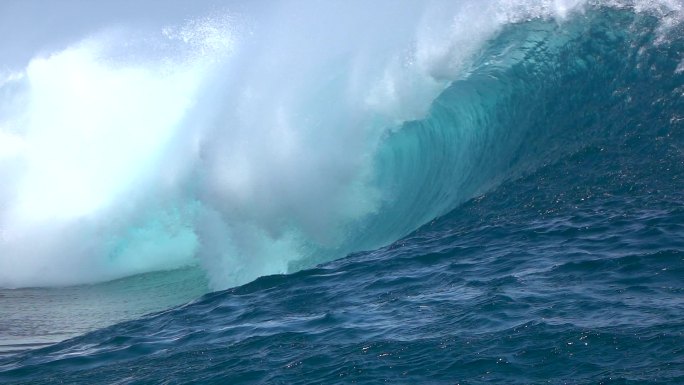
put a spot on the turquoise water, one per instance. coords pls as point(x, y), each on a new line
point(548, 180)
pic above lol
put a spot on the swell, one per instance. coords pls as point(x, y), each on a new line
point(274, 181)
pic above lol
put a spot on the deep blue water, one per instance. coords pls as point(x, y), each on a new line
point(566, 266)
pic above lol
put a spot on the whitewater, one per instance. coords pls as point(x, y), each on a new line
point(436, 191)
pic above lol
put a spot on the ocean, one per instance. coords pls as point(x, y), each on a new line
point(460, 193)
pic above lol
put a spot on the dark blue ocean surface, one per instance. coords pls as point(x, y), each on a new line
point(566, 266)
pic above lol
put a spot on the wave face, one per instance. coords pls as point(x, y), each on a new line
point(258, 139)
point(566, 266)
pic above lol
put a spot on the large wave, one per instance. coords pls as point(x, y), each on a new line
point(258, 139)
